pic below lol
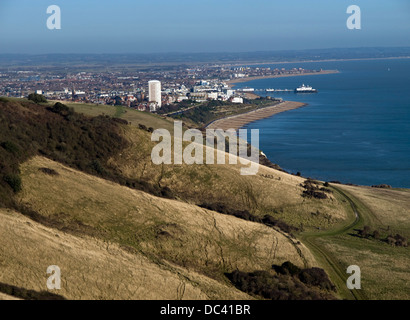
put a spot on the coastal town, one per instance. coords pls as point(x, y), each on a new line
point(147, 89)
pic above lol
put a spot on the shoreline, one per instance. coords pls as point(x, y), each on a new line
point(232, 83)
point(239, 121)
point(263, 62)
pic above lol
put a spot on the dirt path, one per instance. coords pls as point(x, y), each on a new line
point(336, 271)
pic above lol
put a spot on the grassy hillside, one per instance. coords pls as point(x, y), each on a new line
point(182, 233)
point(93, 268)
point(87, 182)
point(384, 267)
point(135, 117)
point(269, 192)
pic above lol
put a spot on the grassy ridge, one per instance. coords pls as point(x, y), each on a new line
point(176, 231)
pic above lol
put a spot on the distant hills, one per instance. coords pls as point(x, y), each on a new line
point(7, 60)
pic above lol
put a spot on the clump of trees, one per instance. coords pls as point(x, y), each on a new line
point(62, 135)
point(314, 190)
point(145, 128)
point(61, 109)
point(396, 240)
point(285, 282)
point(37, 98)
point(382, 186)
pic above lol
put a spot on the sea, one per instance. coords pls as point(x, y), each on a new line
point(356, 129)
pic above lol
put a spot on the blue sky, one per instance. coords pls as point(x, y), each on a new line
point(142, 26)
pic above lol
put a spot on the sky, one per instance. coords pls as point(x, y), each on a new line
point(144, 26)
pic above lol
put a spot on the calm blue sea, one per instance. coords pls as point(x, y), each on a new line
point(355, 130)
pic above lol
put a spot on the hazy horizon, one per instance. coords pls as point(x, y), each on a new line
point(159, 26)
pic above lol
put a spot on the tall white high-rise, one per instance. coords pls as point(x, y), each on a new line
point(154, 92)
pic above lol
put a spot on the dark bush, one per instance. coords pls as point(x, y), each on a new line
point(167, 193)
point(61, 109)
point(314, 194)
point(37, 98)
point(383, 186)
point(9, 146)
point(316, 277)
point(14, 181)
point(326, 190)
point(312, 190)
point(97, 167)
point(400, 241)
point(276, 287)
point(121, 121)
point(287, 268)
point(271, 221)
point(48, 171)
point(365, 233)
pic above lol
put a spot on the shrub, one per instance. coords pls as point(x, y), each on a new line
point(270, 221)
point(14, 181)
point(312, 190)
point(316, 277)
point(121, 121)
point(61, 109)
point(287, 268)
point(277, 287)
point(48, 171)
point(400, 241)
point(390, 240)
point(37, 98)
point(9, 146)
point(383, 186)
point(97, 167)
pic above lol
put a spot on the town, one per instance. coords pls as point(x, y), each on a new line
point(144, 89)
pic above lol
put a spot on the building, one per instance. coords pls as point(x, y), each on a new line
point(154, 92)
point(237, 100)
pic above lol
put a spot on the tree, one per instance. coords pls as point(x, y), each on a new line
point(37, 98)
point(61, 109)
point(366, 231)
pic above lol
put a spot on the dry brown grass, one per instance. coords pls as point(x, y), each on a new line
point(385, 268)
point(7, 297)
point(390, 207)
point(269, 192)
point(135, 117)
point(164, 231)
point(92, 268)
